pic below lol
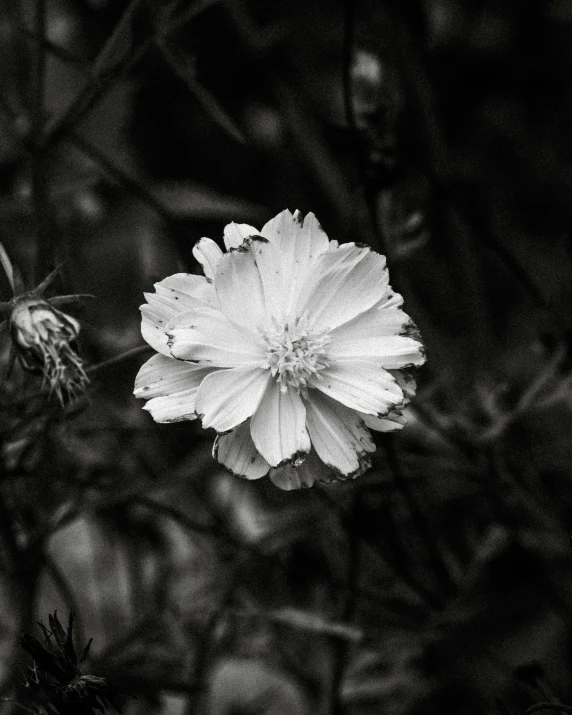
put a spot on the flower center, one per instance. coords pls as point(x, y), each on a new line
point(295, 356)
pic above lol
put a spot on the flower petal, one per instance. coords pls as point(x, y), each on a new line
point(311, 470)
point(206, 335)
point(161, 376)
point(228, 397)
point(236, 451)
point(173, 408)
point(362, 386)
point(386, 336)
point(338, 435)
point(345, 282)
point(240, 288)
point(235, 233)
point(183, 290)
point(278, 427)
point(288, 477)
point(300, 241)
point(178, 292)
point(393, 421)
point(379, 321)
point(208, 254)
point(388, 351)
point(406, 381)
point(153, 323)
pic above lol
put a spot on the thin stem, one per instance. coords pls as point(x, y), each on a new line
point(64, 588)
point(39, 52)
point(118, 359)
point(7, 534)
point(438, 162)
point(417, 587)
point(218, 531)
point(417, 514)
point(347, 60)
point(59, 52)
point(107, 74)
point(341, 647)
point(117, 173)
point(44, 237)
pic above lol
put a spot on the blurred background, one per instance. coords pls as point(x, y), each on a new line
point(439, 133)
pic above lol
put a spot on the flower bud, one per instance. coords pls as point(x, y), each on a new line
point(44, 339)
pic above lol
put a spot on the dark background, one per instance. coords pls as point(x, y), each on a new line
point(438, 132)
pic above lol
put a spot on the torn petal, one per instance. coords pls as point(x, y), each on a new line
point(236, 451)
point(338, 435)
point(394, 420)
point(183, 290)
point(278, 426)
point(312, 469)
point(240, 289)
point(235, 233)
point(300, 241)
point(208, 254)
point(161, 376)
point(173, 408)
point(362, 386)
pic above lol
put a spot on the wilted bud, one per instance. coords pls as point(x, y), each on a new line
point(44, 339)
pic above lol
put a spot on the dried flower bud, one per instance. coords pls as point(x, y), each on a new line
point(44, 339)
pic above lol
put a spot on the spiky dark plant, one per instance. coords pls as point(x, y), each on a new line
point(55, 684)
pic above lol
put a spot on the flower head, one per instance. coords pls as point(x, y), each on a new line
point(291, 347)
point(44, 337)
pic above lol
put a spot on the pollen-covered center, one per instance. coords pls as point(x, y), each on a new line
point(295, 355)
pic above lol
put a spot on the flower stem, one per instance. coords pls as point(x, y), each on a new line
point(417, 515)
point(118, 359)
point(424, 594)
point(341, 646)
point(44, 237)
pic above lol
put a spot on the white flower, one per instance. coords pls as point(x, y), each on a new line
point(292, 348)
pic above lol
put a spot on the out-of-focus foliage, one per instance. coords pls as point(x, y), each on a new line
point(438, 132)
